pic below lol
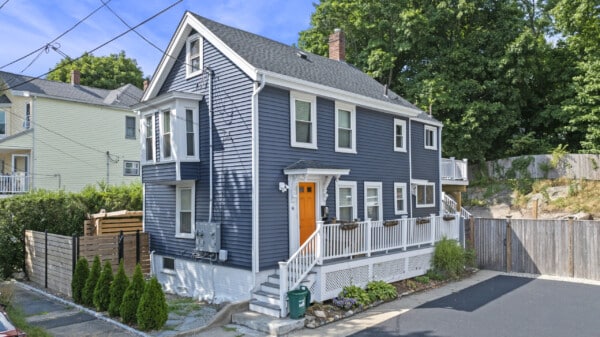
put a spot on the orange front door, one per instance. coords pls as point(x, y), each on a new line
point(306, 192)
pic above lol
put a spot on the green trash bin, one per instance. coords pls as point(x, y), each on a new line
point(298, 300)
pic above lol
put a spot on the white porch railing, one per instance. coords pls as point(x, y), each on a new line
point(453, 169)
point(450, 206)
point(335, 241)
point(13, 184)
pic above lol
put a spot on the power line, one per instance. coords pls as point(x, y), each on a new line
point(5, 2)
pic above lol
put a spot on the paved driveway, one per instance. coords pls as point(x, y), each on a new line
point(503, 305)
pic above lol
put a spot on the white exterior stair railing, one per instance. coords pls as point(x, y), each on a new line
point(450, 206)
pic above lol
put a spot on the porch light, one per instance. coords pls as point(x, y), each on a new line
point(283, 187)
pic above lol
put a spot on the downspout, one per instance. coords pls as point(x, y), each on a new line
point(31, 179)
point(410, 196)
point(210, 144)
point(440, 187)
point(255, 178)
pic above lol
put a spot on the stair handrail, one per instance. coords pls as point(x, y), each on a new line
point(451, 206)
point(290, 278)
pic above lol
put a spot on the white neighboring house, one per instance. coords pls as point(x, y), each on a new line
point(56, 135)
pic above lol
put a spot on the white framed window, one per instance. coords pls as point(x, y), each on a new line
point(399, 135)
point(193, 59)
point(168, 265)
point(190, 134)
point(303, 128)
point(130, 127)
point(131, 168)
point(345, 200)
point(424, 192)
point(165, 137)
point(345, 128)
point(430, 137)
point(148, 127)
point(400, 198)
point(185, 211)
point(2, 123)
point(373, 201)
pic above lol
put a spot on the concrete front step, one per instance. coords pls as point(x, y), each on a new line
point(271, 288)
point(270, 325)
point(265, 308)
point(266, 297)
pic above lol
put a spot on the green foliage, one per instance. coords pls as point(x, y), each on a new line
point(152, 311)
point(424, 279)
point(381, 291)
point(132, 296)
point(87, 296)
point(18, 318)
point(359, 294)
point(470, 258)
point(449, 258)
point(117, 290)
point(108, 72)
point(519, 175)
point(434, 275)
point(82, 271)
point(102, 289)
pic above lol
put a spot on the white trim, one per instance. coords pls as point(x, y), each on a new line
point(404, 196)
point(345, 184)
point(312, 100)
point(188, 57)
point(178, 188)
point(379, 187)
point(402, 123)
point(255, 180)
point(433, 130)
point(143, 136)
point(415, 187)
point(161, 118)
point(352, 109)
point(314, 171)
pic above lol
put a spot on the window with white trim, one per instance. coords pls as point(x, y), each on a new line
point(194, 59)
point(303, 128)
point(430, 137)
point(168, 265)
point(345, 200)
point(425, 194)
point(190, 137)
point(373, 201)
point(149, 137)
point(2, 123)
point(345, 128)
point(185, 211)
point(130, 127)
point(165, 136)
point(400, 198)
point(131, 168)
point(399, 135)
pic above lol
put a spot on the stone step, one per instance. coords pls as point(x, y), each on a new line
point(265, 308)
point(266, 297)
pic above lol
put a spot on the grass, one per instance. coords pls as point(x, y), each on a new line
point(182, 306)
point(17, 317)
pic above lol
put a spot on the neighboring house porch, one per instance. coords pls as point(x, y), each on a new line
point(15, 164)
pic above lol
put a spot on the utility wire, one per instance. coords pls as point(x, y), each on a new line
point(58, 37)
point(5, 2)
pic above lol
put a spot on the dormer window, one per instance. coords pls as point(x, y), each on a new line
point(194, 55)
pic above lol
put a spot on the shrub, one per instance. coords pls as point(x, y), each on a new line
point(381, 291)
point(152, 310)
point(131, 298)
point(87, 296)
point(435, 275)
point(117, 290)
point(82, 271)
point(424, 279)
point(449, 258)
point(470, 258)
point(102, 290)
point(344, 303)
point(357, 293)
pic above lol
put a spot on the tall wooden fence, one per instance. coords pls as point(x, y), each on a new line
point(568, 248)
point(50, 259)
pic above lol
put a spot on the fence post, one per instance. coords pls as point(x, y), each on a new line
point(120, 247)
point(137, 246)
point(368, 237)
point(74, 252)
point(472, 231)
point(45, 258)
point(432, 221)
point(571, 247)
point(508, 243)
point(404, 223)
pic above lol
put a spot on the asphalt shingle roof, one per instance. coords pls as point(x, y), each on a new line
point(122, 97)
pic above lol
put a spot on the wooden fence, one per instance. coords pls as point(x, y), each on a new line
point(50, 259)
point(568, 248)
point(113, 223)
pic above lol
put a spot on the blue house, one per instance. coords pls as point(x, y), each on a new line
point(266, 168)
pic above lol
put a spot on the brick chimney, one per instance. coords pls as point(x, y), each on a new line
point(337, 45)
point(75, 77)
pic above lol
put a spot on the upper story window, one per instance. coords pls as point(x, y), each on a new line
point(2, 123)
point(425, 193)
point(345, 200)
point(190, 137)
point(194, 51)
point(149, 138)
point(345, 128)
point(373, 201)
point(430, 137)
point(185, 211)
point(400, 198)
point(166, 134)
point(303, 128)
point(130, 127)
point(27, 121)
point(131, 168)
point(399, 135)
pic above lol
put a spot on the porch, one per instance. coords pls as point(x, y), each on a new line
point(14, 183)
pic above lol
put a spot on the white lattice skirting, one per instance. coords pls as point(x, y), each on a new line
point(332, 278)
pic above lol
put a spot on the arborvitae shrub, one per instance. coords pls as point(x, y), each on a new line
point(152, 311)
point(117, 290)
point(90, 283)
point(82, 270)
point(102, 290)
point(132, 296)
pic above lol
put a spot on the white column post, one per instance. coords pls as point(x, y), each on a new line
point(368, 237)
point(283, 288)
point(404, 224)
point(432, 221)
point(319, 239)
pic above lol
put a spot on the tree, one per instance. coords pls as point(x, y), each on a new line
point(90, 283)
point(82, 270)
point(102, 289)
point(152, 311)
point(108, 72)
point(132, 296)
point(117, 290)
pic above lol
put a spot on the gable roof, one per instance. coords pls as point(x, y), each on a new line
point(282, 65)
point(122, 97)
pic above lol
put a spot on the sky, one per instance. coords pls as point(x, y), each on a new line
point(26, 26)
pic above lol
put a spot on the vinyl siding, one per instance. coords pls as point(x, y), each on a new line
point(160, 173)
point(426, 166)
point(232, 160)
point(374, 161)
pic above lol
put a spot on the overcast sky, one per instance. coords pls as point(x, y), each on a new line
point(26, 26)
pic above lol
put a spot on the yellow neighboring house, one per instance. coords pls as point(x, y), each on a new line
point(56, 135)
